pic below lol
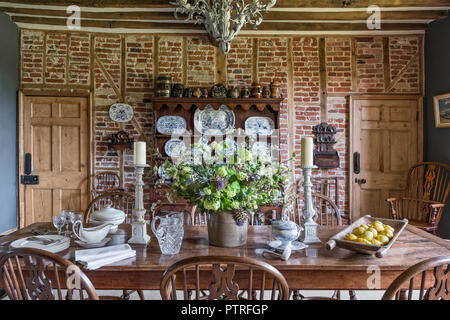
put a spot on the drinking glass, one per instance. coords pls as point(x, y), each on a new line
point(67, 215)
point(58, 222)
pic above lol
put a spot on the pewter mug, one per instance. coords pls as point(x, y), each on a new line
point(170, 232)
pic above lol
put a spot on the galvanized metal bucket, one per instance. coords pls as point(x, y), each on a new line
point(223, 231)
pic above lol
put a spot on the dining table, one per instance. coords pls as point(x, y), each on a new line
point(312, 268)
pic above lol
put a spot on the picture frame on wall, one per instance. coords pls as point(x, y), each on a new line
point(442, 110)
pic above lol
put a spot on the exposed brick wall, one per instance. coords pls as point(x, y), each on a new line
point(52, 60)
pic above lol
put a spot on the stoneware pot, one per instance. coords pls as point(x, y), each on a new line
point(177, 90)
point(234, 93)
point(223, 231)
point(163, 86)
point(245, 92)
point(197, 93)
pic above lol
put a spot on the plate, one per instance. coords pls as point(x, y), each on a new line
point(259, 126)
point(87, 245)
point(214, 122)
point(171, 125)
point(232, 147)
point(261, 148)
point(121, 112)
point(61, 243)
point(296, 245)
point(173, 147)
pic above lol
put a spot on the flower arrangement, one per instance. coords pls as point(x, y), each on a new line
point(215, 180)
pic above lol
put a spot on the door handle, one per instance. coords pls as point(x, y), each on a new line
point(28, 178)
point(360, 181)
point(356, 163)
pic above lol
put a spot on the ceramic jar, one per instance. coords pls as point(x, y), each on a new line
point(234, 93)
point(275, 89)
point(266, 92)
point(188, 93)
point(223, 231)
point(163, 86)
point(177, 90)
point(205, 93)
point(256, 90)
point(245, 92)
point(197, 93)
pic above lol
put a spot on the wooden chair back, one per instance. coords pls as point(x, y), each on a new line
point(431, 276)
point(105, 181)
point(32, 274)
point(428, 181)
point(117, 199)
point(327, 213)
point(223, 278)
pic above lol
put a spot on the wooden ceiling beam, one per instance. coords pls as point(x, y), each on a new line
point(265, 26)
point(280, 3)
point(272, 15)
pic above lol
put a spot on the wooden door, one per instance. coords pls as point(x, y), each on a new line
point(55, 133)
point(385, 131)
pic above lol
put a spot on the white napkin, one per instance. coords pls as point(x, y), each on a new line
point(96, 258)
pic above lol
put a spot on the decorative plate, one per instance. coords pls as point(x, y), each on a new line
point(89, 245)
point(232, 147)
point(295, 245)
point(173, 147)
point(261, 148)
point(121, 112)
point(259, 126)
point(214, 122)
point(171, 125)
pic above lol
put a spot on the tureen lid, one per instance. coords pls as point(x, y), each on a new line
point(107, 214)
point(283, 225)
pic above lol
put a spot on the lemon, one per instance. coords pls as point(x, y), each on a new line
point(350, 237)
point(376, 242)
point(368, 235)
point(374, 231)
point(365, 241)
point(386, 227)
point(379, 228)
point(364, 226)
point(388, 234)
point(377, 222)
point(358, 231)
point(383, 239)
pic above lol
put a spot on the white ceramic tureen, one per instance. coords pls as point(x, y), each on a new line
point(108, 215)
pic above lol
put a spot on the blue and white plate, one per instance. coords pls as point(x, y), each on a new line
point(214, 122)
point(171, 125)
point(121, 112)
point(259, 126)
point(232, 147)
point(162, 173)
point(173, 147)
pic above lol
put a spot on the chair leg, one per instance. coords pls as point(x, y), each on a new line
point(126, 294)
point(2, 294)
point(141, 294)
point(352, 294)
point(297, 295)
point(337, 295)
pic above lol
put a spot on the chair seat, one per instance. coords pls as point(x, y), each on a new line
point(422, 225)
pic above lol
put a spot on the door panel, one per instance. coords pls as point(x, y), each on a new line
point(55, 133)
point(385, 133)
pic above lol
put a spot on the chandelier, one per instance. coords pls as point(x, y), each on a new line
point(223, 19)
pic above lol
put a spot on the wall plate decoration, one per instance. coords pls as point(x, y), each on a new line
point(214, 122)
point(121, 112)
point(174, 147)
point(259, 126)
point(171, 125)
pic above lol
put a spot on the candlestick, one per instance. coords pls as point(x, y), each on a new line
point(309, 225)
point(138, 226)
point(140, 153)
point(307, 151)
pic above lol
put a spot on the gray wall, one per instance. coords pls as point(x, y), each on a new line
point(9, 54)
point(437, 81)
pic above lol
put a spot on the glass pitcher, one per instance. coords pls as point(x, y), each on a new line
point(170, 232)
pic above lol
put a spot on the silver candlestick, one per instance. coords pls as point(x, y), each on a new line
point(309, 225)
point(138, 226)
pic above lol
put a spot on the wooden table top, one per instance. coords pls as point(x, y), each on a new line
point(411, 247)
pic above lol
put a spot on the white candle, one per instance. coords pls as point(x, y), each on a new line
point(140, 153)
point(307, 152)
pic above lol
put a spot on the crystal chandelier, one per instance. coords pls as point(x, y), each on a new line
point(223, 19)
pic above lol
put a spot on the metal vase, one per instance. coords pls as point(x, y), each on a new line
point(223, 231)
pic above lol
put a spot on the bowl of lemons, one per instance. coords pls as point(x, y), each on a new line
point(369, 235)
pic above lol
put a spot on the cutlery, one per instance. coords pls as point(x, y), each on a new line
point(45, 242)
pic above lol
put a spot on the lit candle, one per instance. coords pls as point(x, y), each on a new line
point(140, 153)
point(307, 152)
